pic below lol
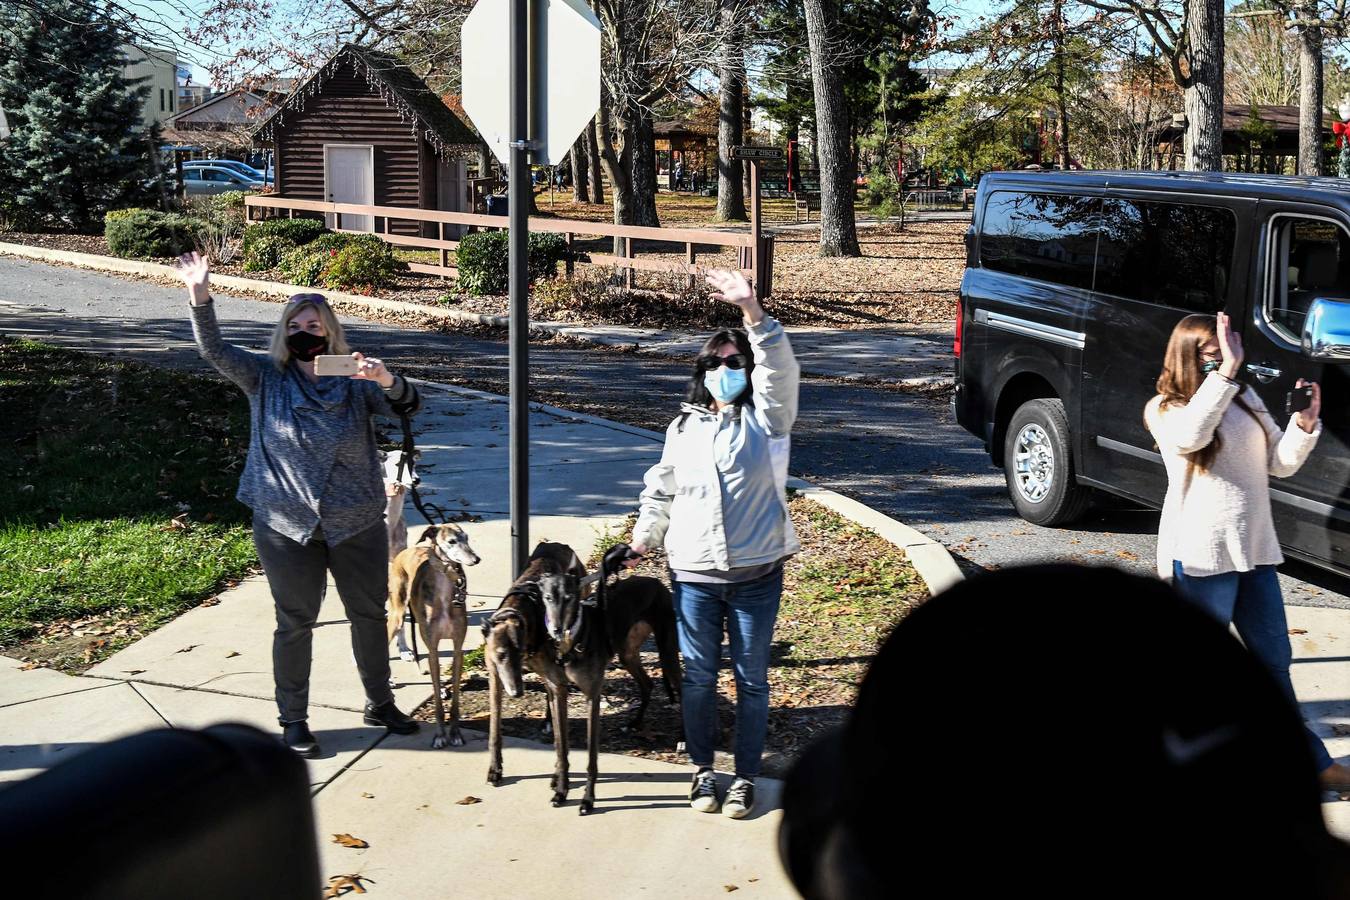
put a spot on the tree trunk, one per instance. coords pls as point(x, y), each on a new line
point(1310, 94)
point(593, 162)
point(730, 124)
point(617, 163)
point(1061, 93)
point(578, 158)
point(484, 159)
point(642, 158)
point(838, 230)
point(1204, 86)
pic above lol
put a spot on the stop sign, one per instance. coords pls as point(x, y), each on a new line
point(564, 88)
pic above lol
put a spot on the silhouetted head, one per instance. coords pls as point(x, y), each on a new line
point(1064, 730)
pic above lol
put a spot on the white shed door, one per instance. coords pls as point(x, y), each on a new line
point(349, 177)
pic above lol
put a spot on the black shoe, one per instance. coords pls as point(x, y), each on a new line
point(299, 738)
point(388, 715)
point(703, 791)
point(740, 798)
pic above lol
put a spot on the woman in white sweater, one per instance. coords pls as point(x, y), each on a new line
point(1217, 540)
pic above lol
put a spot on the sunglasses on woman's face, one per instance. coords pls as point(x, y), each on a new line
point(735, 361)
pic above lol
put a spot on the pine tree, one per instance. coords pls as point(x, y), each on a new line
point(78, 146)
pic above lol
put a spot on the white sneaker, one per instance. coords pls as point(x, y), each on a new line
point(740, 799)
point(703, 791)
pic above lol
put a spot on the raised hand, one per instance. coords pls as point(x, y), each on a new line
point(196, 274)
point(368, 368)
point(1230, 345)
point(731, 287)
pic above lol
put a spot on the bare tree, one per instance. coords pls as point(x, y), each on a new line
point(1310, 21)
point(731, 112)
point(580, 164)
point(1261, 61)
point(838, 230)
point(1190, 36)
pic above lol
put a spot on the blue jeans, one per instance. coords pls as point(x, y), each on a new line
point(1252, 602)
point(749, 611)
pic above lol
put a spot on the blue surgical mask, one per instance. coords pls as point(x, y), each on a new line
point(724, 383)
point(1210, 365)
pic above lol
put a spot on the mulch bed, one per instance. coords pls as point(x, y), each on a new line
point(842, 595)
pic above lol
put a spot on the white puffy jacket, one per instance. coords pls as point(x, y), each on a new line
point(682, 506)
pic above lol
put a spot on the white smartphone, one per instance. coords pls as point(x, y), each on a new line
point(334, 365)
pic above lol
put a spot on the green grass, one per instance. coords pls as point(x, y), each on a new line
point(116, 495)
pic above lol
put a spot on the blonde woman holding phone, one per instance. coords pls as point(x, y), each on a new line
point(314, 482)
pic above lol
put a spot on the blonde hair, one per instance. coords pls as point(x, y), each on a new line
point(280, 354)
point(1182, 376)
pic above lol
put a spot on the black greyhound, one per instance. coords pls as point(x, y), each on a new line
point(548, 625)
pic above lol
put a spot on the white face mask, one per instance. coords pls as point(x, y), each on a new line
point(724, 383)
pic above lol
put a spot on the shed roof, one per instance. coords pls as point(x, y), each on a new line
point(396, 84)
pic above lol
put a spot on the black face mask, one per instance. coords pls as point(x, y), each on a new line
point(305, 346)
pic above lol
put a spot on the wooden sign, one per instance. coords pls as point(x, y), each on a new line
point(744, 152)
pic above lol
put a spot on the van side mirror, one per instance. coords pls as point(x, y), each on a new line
point(1326, 330)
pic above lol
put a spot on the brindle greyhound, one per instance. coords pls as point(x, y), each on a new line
point(546, 624)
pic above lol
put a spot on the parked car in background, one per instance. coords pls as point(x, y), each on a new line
point(1073, 284)
point(200, 180)
point(233, 165)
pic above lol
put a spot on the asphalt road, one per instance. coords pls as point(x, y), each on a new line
point(897, 452)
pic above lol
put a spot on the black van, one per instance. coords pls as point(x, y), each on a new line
point(1073, 284)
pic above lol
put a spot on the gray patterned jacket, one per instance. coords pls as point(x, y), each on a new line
point(312, 459)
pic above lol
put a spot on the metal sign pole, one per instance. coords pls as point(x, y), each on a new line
point(519, 210)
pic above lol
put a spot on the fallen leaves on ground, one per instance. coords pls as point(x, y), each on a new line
point(232, 654)
point(344, 884)
point(188, 649)
point(1340, 729)
point(1298, 631)
point(468, 801)
point(347, 840)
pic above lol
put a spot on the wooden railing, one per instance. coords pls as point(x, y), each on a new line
point(754, 251)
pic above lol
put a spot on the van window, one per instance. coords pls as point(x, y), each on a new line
point(1309, 258)
point(1172, 254)
point(1050, 237)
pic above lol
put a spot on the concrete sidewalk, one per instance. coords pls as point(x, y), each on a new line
point(213, 664)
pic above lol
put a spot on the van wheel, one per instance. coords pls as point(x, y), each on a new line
point(1038, 465)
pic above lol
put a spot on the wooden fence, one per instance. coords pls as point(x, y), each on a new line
point(754, 248)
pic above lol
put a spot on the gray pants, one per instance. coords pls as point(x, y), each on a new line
point(296, 573)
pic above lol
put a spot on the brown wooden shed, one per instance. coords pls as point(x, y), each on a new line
point(364, 129)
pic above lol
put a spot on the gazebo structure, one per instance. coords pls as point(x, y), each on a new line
point(1256, 138)
point(363, 129)
point(689, 147)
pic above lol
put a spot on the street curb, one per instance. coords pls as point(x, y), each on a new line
point(633, 338)
point(930, 558)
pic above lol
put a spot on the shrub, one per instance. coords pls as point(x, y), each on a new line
point(366, 262)
point(298, 231)
point(146, 234)
point(230, 201)
point(330, 241)
point(303, 266)
point(266, 252)
point(114, 215)
point(483, 260)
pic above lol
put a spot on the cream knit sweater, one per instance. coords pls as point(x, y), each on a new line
point(1220, 520)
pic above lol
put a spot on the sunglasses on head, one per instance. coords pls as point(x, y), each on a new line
point(318, 299)
point(735, 361)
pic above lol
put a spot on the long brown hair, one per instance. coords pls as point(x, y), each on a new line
point(1181, 377)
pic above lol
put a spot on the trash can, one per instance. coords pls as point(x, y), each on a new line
point(497, 205)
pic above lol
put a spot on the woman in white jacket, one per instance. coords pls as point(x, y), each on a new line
point(1217, 540)
point(717, 502)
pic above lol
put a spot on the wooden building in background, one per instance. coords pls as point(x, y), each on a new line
point(364, 129)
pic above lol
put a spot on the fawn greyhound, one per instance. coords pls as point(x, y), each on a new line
point(548, 625)
point(428, 578)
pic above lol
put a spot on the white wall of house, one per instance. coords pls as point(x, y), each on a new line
point(160, 68)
